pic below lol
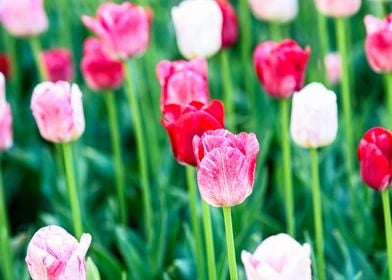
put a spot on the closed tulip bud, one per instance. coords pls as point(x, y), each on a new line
point(275, 11)
point(99, 71)
point(124, 29)
point(58, 111)
point(338, 8)
point(314, 116)
point(183, 81)
point(5, 67)
point(23, 18)
point(54, 254)
point(230, 23)
point(226, 166)
point(5, 118)
point(278, 257)
point(58, 64)
point(333, 67)
point(375, 158)
point(198, 27)
point(378, 44)
point(281, 67)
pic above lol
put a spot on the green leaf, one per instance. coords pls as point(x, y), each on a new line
point(92, 270)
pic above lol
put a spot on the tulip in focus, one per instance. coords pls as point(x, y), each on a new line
point(276, 10)
point(58, 111)
point(338, 8)
point(54, 254)
point(281, 67)
point(5, 118)
point(226, 166)
point(278, 257)
point(314, 116)
point(198, 26)
point(333, 67)
point(5, 65)
point(230, 23)
point(58, 64)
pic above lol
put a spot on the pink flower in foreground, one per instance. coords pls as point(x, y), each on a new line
point(279, 257)
point(58, 64)
point(333, 67)
point(58, 111)
point(226, 166)
point(338, 8)
point(124, 29)
point(54, 254)
point(5, 118)
point(230, 23)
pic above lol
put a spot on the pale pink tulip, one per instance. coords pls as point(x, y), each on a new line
point(5, 118)
point(333, 67)
point(274, 10)
point(338, 8)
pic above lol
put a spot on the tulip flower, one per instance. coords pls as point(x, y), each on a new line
point(124, 29)
point(58, 111)
point(338, 8)
point(198, 26)
point(54, 254)
point(278, 257)
point(276, 11)
point(5, 118)
point(58, 64)
point(5, 65)
point(100, 71)
point(333, 67)
point(229, 25)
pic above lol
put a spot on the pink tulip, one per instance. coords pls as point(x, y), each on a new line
point(5, 118)
point(226, 166)
point(378, 44)
point(275, 10)
point(333, 67)
point(230, 23)
point(183, 82)
point(23, 17)
point(58, 64)
point(338, 8)
point(278, 257)
point(99, 71)
point(124, 29)
point(54, 254)
point(58, 111)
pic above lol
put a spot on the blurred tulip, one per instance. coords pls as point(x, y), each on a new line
point(99, 71)
point(5, 65)
point(230, 23)
point(198, 27)
point(23, 18)
point(58, 64)
point(278, 257)
point(276, 10)
point(124, 29)
point(338, 8)
point(375, 155)
point(58, 111)
point(54, 254)
point(281, 67)
point(182, 123)
point(333, 67)
point(226, 166)
point(314, 116)
point(5, 118)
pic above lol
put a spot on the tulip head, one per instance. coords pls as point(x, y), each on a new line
point(230, 23)
point(338, 8)
point(333, 67)
point(58, 64)
point(275, 11)
point(5, 118)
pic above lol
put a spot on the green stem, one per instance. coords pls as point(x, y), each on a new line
point(388, 81)
point(230, 243)
point(275, 31)
point(228, 90)
point(10, 45)
point(388, 227)
point(36, 48)
point(324, 42)
point(195, 222)
point(318, 216)
point(209, 237)
point(117, 155)
point(287, 172)
point(72, 189)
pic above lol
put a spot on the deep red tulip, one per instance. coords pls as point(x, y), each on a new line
point(281, 67)
point(375, 158)
point(58, 64)
point(5, 66)
point(182, 123)
point(230, 23)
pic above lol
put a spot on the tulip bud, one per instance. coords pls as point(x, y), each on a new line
point(333, 67)
point(58, 111)
point(226, 166)
point(314, 116)
point(54, 254)
point(198, 27)
point(338, 8)
point(58, 64)
point(278, 257)
point(276, 10)
point(230, 23)
point(5, 118)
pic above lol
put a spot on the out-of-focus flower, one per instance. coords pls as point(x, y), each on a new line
point(23, 17)
point(278, 257)
point(124, 29)
point(338, 8)
point(5, 118)
point(54, 254)
point(99, 71)
point(333, 67)
point(5, 65)
point(226, 166)
point(198, 26)
point(58, 111)
point(281, 67)
point(314, 116)
point(276, 10)
point(230, 24)
point(58, 64)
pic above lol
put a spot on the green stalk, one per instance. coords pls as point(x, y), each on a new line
point(388, 82)
point(324, 42)
point(36, 48)
point(228, 90)
point(287, 172)
point(117, 155)
point(10, 45)
point(209, 237)
point(275, 31)
point(230, 243)
point(318, 216)
point(72, 189)
point(388, 228)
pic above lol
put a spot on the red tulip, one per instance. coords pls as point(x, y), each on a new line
point(375, 156)
point(99, 71)
point(230, 24)
point(5, 65)
point(58, 64)
point(281, 67)
point(182, 123)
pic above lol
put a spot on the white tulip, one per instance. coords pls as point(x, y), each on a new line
point(274, 10)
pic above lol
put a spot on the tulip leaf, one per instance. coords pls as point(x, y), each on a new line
point(92, 270)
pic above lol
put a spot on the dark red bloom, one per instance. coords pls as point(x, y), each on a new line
point(58, 64)
point(230, 23)
point(5, 65)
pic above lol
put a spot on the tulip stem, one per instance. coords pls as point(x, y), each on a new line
point(388, 80)
point(209, 237)
point(116, 149)
point(10, 45)
point(323, 33)
point(388, 228)
point(318, 216)
point(195, 223)
point(72, 189)
point(228, 90)
point(230, 243)
point(275, 31)
point(36, 48)
point(287, 173)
